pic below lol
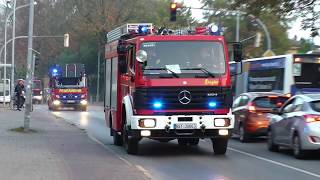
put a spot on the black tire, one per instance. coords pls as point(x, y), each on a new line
point(270, 143)
point(117, 139)
point(296, 145)
point(84, 108)
point(193, 141)
point(130, 144)
point(243, 136)
point(182, 142)
point(219, 145)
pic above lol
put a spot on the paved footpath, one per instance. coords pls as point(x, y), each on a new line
point(56, 151)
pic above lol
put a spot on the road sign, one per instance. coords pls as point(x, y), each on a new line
point(268, 53)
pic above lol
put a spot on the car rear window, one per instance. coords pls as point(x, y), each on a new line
point(269, 102)
point(315, 105)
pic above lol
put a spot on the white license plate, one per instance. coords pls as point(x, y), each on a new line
point(186, 126)
point(71, 101)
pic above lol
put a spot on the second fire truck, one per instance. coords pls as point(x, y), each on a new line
point(167, 85)
point(68, 87)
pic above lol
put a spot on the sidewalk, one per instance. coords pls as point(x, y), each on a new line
point(56, 151)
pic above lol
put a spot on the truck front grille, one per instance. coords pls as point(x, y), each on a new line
point(169, 96)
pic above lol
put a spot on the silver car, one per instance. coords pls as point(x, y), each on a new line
point(296, 125)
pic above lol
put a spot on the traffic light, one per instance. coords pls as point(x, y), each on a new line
point(173, 11)
point(36, 61)
point(258, 40)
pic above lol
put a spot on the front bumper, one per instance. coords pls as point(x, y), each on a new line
point(166, 126)
point(70, 103)
point(37, 98)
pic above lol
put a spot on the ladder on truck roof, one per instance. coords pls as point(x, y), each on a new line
point(127, 29)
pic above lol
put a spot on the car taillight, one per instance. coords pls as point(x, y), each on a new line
point(83, 96)
point(57, 96)
point(288, 95)
point(251, 107)
point(309, 118)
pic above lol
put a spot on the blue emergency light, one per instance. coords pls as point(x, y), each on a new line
point(214, 29)
point(212, 104)
point(157, 104)
point(142, 29)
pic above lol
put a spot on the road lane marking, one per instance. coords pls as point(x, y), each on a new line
point(145, 172)
point(275, 162)
point(140, 168)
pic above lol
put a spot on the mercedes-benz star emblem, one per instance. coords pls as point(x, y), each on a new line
point(184, 97)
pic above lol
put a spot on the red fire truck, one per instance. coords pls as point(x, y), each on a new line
point(167, 85)
point(68, 87)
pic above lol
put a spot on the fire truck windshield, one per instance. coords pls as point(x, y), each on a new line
point(186, 58)
point(69, 82)
point(36, 85)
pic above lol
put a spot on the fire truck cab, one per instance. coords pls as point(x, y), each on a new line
point(167, 85)
point(68, 87)
point(37, 91)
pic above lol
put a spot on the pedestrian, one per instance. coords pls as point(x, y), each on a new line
point(19, 89)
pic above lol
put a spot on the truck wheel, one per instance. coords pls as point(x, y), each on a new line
point(219, 145)
point(84, 108)
point(130, 144)
point(117, 139)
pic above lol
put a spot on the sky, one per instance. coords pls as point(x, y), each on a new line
point(294, 31)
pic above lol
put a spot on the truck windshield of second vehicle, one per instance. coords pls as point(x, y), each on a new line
point(69, 82)
point(184, 58)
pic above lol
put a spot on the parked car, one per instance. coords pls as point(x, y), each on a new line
point(296, 125)
point(251, 112)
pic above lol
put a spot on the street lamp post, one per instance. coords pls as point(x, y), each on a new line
point(29, 70)
point(5, 49)
point(12, 52)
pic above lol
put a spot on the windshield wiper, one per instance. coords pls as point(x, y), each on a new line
point(164, 68)
point(203, 70)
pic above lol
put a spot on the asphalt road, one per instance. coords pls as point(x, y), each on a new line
point(247, 161)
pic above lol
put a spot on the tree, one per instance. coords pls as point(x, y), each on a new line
point(308, 10)
point(87, 22)
point(223, 15)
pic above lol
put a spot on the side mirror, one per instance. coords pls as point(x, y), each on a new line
point(237, 52)
point(141, 56)
point(122, 64)
point(121, 48)
point(276, 111)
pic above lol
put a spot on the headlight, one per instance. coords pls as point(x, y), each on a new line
point(147, 123)
point(56, 102)
point(41, 92)
point(83, 102)
point(221, 122)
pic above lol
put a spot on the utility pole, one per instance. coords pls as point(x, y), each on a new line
point(98, 76)
point(13, 53)
point(29, 70)
point(238, 27)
